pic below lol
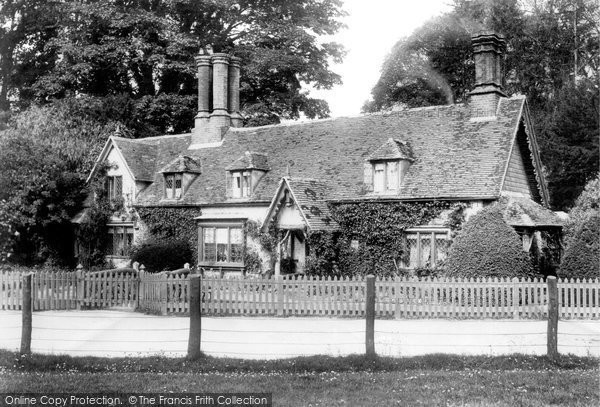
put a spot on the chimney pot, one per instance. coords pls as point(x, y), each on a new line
point(488, 53)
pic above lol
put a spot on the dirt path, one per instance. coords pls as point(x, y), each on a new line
point(121, 333)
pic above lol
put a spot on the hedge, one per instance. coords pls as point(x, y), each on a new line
point(582, 254)
point(161, 255)
point(488, 247)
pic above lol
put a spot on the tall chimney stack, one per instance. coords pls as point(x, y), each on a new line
point(218, 99)
point(488, 52)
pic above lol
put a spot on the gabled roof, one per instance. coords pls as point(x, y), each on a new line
point(250, 161)
point(310, 197)
point(183, 163)
point(455, 156)
point(393, 150)
point(139, 156)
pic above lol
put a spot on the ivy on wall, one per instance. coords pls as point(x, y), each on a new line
point(268, 242)
point(371, 236)
point(171, 223)
point(92, 233)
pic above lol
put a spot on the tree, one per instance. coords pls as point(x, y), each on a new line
point(487, 246)
point(45, 156)
point(145, 49)
point(553, 57)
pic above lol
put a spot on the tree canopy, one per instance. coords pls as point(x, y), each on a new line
point(553, 57)
point(144, 49)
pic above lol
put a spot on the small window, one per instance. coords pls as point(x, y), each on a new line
point(114, 186)
point(222, 244)
point(386, 176)
point(173, 186)
point(425, 249)
point(122, 240)
point(241, 184)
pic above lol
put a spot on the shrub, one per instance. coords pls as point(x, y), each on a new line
point(582, 254)
point(160, 255)
point(488, 247)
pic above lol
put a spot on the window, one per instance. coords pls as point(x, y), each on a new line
point(425, 248)
point(222, 244)
point(114, 186)
point(122, 240)
point(241, 185)
point(173, 185)
point(386, 176)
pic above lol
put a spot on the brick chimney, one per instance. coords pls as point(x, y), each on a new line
point(218, 98)
point(488, 52)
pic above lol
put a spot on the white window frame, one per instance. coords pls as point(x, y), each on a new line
point(228, 227)
point(174, 192)
point(418, 234)
point(241, 184)
point(111, 186)
point(383, 167)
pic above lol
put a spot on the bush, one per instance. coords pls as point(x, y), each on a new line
point(161, 255)
point(488, 247)
point(582, 254)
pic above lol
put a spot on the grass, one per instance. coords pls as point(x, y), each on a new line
point(323, 381)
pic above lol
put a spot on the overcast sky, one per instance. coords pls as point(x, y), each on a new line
point(374, 26)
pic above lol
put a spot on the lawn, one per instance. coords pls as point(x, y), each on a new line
point(323, 381)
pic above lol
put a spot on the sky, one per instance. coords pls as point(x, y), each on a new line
point(373, 27)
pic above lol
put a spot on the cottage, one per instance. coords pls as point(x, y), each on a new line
point(289, 177)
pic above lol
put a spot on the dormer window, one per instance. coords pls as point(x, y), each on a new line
point(173, 185)
point(387, 166)
point(179, 175)
point(242, 184)
point(386, 176)
point(244, 174)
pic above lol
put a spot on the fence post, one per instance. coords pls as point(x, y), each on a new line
point(79, 286)
point(552, 349)
point(279, 282)
point(515, 297)
point(142, 287)
point(370, 317)
point(26, 315)
point(195, 317)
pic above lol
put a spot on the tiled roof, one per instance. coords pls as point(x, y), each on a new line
point(183, 163)
point(454, 157)
point(140, 156)
point(521, 211)
point(250, 161)
point(393, 150)
point(311, 197)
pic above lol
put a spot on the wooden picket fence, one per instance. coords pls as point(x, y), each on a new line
point(397, 298)
point(304, 296)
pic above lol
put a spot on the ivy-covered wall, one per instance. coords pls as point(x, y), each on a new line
point(378, 228)
point(171, 223)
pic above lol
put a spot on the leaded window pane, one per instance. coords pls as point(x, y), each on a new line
point(209, 249)
point(169, 179)
point(412, 250)
point(118, 186)
point(178, 182)
point(425, 250)
point(221, 240)
point(237, 239)
point(441, 248)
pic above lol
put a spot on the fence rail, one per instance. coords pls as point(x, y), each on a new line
point(302, 295)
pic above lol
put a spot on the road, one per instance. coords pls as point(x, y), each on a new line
point(124, 333)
